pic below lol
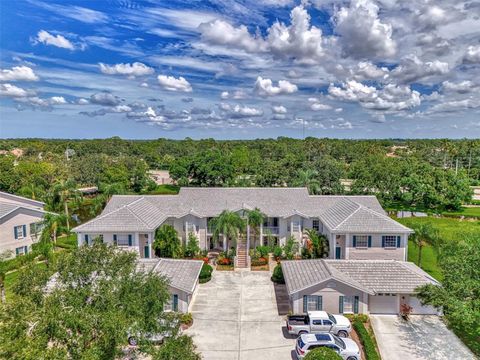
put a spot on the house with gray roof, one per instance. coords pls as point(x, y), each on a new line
point(20, 223)
point(182, 276)
point(356, 227)
point(355, 286)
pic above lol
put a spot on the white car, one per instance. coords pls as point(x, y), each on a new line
point(346, 348)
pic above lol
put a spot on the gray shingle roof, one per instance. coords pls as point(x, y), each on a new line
point(9, 207)
point(182, 274)
point(371, 276)
point(149, 211)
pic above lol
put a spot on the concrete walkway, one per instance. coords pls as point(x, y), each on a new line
point(236, 316)
point(424, 337)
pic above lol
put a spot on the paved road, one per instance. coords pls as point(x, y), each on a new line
point(422, 338)
point(237, 317)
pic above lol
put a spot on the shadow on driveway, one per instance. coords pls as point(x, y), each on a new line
point(281, 296)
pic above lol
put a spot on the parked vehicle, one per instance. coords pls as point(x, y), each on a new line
point(170, 326)
point(346, 348)
point(318, 322)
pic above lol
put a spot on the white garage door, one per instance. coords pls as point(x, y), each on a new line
point(384, 304)
point(418, 309)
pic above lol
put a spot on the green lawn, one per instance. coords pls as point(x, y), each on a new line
point(67, 242)
point(465, 211)
point(450, 229)
point(165, 190)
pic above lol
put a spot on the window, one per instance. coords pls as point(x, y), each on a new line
point(123, 239)
point(312, 303)
point(36, 228)
point(327, 322)
point(360, 241)
point(22, 250)
point(347, 304)
point(316, 322)
point(316, 225)
point(390, 241)
point(20, 231)
point(172, 304)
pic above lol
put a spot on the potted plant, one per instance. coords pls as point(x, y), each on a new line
point(405, 311)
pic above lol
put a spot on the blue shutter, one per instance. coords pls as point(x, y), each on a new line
point(130, 243)
point(354, 241)
point(305, 299)
point(25, 249)
point(15, 232)
point(340, 304)
point(24, 231)
point(16, 251)
point(369, 241)
point(355, 304)
point(115, 239)
point(399, 239)
point(319, 303)
point(86, 239)
point(175, 302)
point(383, 241)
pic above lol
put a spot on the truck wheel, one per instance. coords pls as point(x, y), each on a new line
point(342, 333)
point(351, 358)
point(302, 332)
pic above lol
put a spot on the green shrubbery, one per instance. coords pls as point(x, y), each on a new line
point(322, 353)
point(366, 340)
point(205, 273)
point(277, 276)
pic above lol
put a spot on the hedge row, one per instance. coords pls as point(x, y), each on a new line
point(367, 341)
point(205, 273)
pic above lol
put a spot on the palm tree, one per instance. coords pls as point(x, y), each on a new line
point(32, 191)
point(425, 234)
point(229, 224)
point(53, 225)
point(255, 219)
point(308, 178)
point(62, 192)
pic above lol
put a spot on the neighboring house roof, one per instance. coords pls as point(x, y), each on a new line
point(11, 198)
point(370, 276)
point(149, 211)
point(182, 274)
point(7, 208)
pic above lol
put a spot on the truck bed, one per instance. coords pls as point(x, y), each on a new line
point(297, 320)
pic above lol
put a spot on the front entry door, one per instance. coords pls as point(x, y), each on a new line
point(146, 251)
point(338, 252)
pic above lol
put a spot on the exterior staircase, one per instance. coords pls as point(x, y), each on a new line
point(242, 259)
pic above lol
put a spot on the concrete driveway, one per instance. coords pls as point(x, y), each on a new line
point(236, 316)
point(424, 337)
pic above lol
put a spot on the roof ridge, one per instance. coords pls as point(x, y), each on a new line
point(382, 215)
point(350, 215)
point(134, 214)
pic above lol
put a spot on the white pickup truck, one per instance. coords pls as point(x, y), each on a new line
point(318, 322)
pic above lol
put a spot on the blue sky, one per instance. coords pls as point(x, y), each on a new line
point(239, 69)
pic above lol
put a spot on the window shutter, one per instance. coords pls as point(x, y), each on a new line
point(383, 241)
point(340, 304)
point(354, 241)
point(305, 299)
point(115, 239)
point(319, 303)
point(399, 239)
point(86, 239)
point(175, 302)
point(355, 304)
point(15, 232)
point(25, 249)
point(369, 241)
point(16, 251)
point(24, 231)
point(130, 243)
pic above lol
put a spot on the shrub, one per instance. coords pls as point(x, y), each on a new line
point(277, 276)
point(277, 252)
point(322, 353)
point(366, 340)
point(263, 251)
point(186, 318)
point(192, 249)
point(205, 273)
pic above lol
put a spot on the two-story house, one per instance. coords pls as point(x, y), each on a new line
point(20, 223)
point(355, 226)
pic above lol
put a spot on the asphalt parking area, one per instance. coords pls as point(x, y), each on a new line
point(424, 337)
point(237, 316)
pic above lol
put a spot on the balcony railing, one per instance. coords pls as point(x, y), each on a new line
point(274, 230)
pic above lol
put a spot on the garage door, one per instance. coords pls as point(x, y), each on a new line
point(419, 309)
point(384, 304)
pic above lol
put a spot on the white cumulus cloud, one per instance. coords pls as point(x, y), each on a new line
point(265, 87)
point(54, 40)
point(57, 100)
point(280, 109)
point(472, 55)
point(173, 84)
point(18, 73)
point(10, 90)
point(135, 69)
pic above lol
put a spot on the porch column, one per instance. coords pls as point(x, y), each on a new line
point(150, 241)
point(79, 239)
point(224, 243)
point(248, 236)
point(261, 234)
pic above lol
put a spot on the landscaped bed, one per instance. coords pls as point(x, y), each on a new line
point(364, 336)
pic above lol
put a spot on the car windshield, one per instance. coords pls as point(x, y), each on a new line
point(339, 342)
point(332, 318)
point(300, 343)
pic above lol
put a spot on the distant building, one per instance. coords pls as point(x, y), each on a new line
point(476, 193)
point(20, 223)
point(161, 177)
